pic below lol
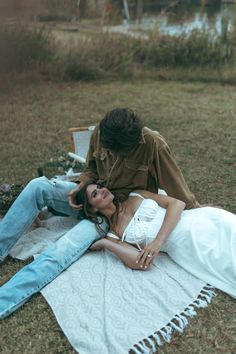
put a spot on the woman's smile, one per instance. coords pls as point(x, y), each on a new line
point(98, 196)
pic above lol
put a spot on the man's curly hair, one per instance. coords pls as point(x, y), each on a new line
point(120, 130)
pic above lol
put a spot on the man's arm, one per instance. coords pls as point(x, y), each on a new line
point(170, 176)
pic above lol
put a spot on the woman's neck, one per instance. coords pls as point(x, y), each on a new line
point(117, 215)
point(110, 210)
point(113, 211)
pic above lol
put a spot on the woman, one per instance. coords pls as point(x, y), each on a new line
point(202, 241)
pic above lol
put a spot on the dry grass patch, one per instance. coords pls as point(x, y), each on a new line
point(198, 120)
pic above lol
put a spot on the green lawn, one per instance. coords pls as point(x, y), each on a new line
point(199, 122)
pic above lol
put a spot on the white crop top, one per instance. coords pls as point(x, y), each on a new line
point(144, 225)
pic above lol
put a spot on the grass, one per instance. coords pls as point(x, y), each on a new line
point(199, 122)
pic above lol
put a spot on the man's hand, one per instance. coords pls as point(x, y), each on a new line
point(71, 197)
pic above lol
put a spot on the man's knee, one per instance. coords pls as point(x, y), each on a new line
point(39, 186)
point(37, 182)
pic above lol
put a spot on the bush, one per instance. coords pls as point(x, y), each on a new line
point(23, 48)
point(198, 48)
point(104, 55)
point(79, 62)
point(94, 58)
point(115, 55)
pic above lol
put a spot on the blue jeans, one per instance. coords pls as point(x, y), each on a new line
point(39, 193)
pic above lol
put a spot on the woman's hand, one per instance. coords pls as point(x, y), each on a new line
point(97, 245)
point(148, 254)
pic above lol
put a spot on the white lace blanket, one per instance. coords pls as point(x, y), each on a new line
point(104, 307)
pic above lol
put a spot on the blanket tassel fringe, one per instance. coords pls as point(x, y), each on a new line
point(150, 344)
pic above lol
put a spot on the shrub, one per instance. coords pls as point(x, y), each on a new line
point(23, 48)
point(198, 48)
point(79, 61)
point(105, 55)
point(115, 54)
point(94, 58)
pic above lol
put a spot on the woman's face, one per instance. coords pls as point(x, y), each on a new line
point(99, 197)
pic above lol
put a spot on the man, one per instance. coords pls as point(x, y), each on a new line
point(122, 155)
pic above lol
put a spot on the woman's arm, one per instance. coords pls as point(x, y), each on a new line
point(174, 208)
point(127, 253)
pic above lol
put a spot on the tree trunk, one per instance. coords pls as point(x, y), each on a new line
point(82, 8)
point(126, 9)
point(139, 10)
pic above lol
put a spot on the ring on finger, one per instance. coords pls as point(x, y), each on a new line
point(149, 256)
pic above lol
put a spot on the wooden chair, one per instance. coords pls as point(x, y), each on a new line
point(79, 140)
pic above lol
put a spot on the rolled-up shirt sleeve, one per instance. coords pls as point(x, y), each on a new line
point(170, 177)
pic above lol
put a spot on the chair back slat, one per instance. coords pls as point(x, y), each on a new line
point(80, 138)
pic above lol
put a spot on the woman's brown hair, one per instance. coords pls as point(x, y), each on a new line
point(87, 213)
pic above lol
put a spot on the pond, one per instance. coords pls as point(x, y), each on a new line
point(180, 18)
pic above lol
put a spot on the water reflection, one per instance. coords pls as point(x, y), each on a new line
point(182, 18)
point(186, 10)
point(200, 19)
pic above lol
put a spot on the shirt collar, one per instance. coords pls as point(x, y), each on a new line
point(142, 139)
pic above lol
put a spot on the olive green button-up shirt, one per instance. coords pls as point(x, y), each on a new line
point(148, 166)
